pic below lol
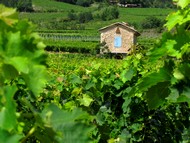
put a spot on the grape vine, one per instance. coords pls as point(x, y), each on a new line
point(23, 78)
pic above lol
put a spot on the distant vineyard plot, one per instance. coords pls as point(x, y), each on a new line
point(68, 37)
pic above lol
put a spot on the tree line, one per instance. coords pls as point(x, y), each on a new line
point(148, 3)
point(21, 5)
point(142, 3)
point(26, 5)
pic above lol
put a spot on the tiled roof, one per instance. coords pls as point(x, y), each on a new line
point(123, 24)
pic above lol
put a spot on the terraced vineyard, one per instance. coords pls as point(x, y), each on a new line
point(51, 20)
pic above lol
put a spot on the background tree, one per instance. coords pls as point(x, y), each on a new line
point(124, 2)
point(85, 17)
point(151, 22)
point(21, 5)
point(85, 3)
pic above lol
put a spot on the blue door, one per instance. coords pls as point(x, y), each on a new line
point(117, 42)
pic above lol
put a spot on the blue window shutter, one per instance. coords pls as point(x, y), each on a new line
point(117, 42)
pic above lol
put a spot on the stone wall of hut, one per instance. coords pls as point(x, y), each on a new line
point(108, 35)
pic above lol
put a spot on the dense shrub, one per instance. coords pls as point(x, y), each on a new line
point(108, 13)
point(67, 1)
point(135, 25)
point(84, 3)
point(99, 0)
point(24, 5)
point(82, 17)
point(152, 22)
point(21, 5)
point(85, 17)
point(72, 15)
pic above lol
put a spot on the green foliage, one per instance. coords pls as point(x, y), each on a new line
point(84, 3)
point(103, 91)
point(173, 45)
point(145, 98)
point(21, 5)
point(64, 123)
point(85, 17)
point(71, 46)
point(23, 77)
point(71, 15)
point(82, 17)
point(25, 5)
point(151, 22)
point(108, 13)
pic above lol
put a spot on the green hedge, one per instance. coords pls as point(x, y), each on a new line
point(71, 46)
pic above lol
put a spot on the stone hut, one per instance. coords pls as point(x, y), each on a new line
point(118, 37)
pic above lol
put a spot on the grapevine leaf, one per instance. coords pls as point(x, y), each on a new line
point(70, 105)
point(125, 136)
point(126, 104)
point(136, 127)
point(186, 19)
point(86, 100)
point(185, 48)
point(9, 15)
point(89, 85)
point(174, 94)
point(75, 79)
point(8, 112)
point(26, 27)
point(127, 75)
point(36, 79)
point(173, 19)
point(186, 92)
point(183, 3)
point(185, 96)
point(111, 140)
point(52, 112)
point(20, 63)
point(13, 45)
point(118, 84)
point(170, 49)
point(67, 123)
point(185, 70)
point(178, 75)
point(48, 135)
point(152, 79)
point(166, 48)
point(9, 71)
point(77, 91)
point(100, 118)
point(6, 137)
point(156, 95)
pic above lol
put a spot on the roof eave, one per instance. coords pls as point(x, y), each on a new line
point(117, 24)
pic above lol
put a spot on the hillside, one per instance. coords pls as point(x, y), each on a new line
point(48, 12)
point(54, 6)
point(61, 33)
